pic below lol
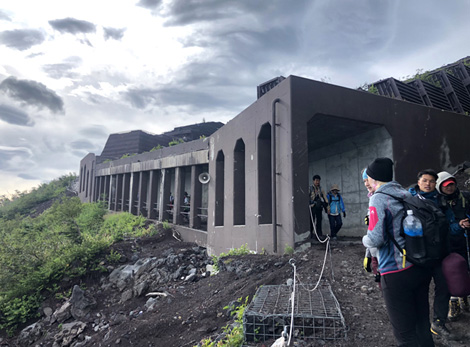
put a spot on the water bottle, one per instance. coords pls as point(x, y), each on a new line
point(413, 236)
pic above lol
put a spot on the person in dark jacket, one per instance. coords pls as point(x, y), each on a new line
point(426, 188)
point(458, 204)
point(318, 204)
point(405, 287)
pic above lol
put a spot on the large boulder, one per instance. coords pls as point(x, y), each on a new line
point(81, 303)
point(30, 334)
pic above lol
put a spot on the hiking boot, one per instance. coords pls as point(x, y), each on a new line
point(454, 310)
point(439, 328)
point(464, 306)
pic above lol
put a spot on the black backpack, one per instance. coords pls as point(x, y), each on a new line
point(435, 230)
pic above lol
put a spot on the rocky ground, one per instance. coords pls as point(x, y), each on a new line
point(160, 294)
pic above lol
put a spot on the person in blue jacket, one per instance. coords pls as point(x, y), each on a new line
point(336, 204)
point(405, 287)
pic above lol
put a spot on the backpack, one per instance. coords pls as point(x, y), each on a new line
point(455, 270)
point(435, 230)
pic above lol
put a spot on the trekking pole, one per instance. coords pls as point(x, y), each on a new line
point(466, 240)
point(468, 251)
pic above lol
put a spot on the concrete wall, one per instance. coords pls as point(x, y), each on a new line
point(320, 128)
point(423, 137)
point(341, 163)
point(247, 126)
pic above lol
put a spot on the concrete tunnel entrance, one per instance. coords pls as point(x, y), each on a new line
point(338, 149)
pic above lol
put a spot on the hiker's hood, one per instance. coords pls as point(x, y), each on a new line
point(442, 177)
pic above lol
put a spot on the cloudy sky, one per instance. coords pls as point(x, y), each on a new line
point(72, 72)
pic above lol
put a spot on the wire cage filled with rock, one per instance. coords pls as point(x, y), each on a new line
point(317, 314)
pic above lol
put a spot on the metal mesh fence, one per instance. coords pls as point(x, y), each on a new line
point(317, 314)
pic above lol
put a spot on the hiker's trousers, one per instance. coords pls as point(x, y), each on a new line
point(441, 294)
point(406, 297)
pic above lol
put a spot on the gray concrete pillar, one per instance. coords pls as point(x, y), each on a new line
point(152, 194)
point(142, 208)
point(106, 188)
point(126, 191)
point(96, 191)
point(101, 188)
point(111, 192)
point(164, 198)
point(118, 195)
point(134, 193)
point(196, 197)
point(179, 197)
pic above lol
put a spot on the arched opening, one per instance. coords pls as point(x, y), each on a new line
point(239, 183)
point(338, 149)
point(80, 189)
point(264, 175)
point(219, 188)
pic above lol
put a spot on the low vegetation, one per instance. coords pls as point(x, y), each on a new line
point(243, 250)
point(233, 333)
point(63, 241)
point(23, 203)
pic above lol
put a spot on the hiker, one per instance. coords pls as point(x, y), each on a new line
point(458, 203)
point(336, 204)
point(426, 188)
point(405, 287)
point(318, 203)
point(371, 263)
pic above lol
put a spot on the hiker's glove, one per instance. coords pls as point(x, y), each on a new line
point(367, 263)
point(366, 220)
point(344, 214)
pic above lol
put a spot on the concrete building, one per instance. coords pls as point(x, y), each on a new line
point(260, 164)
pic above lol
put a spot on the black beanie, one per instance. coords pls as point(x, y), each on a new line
point(381, 169)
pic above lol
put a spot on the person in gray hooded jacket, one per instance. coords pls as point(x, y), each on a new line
point(405, 287)
point(458, 210)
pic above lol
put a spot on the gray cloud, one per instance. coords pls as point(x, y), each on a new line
point(32, 93)
point(174, 95)
point(63, 69)
point(95, 131)
point(14, 116)
point(59, 70)
point(184, 12)
point(113, 33)
point(21, 39)
point(28, 177)
point(4, 16)
point(82, 144)
point(150, 4)
point(72, 26)
point(8, 153)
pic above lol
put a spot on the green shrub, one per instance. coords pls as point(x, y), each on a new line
point(288, 250)
point(127, 155)
point(175, 142)
point(166, 225)
point(65, 240)
point(234, 336)
point(113, 257)
point(23, 203)
point(156, 147)
point(18, 310)
point(120, 225)
point(243, 250)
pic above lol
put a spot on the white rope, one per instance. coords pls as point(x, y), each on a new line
point(327, 251)
point(292, 262)
point(292, 300)
point(315, 228)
